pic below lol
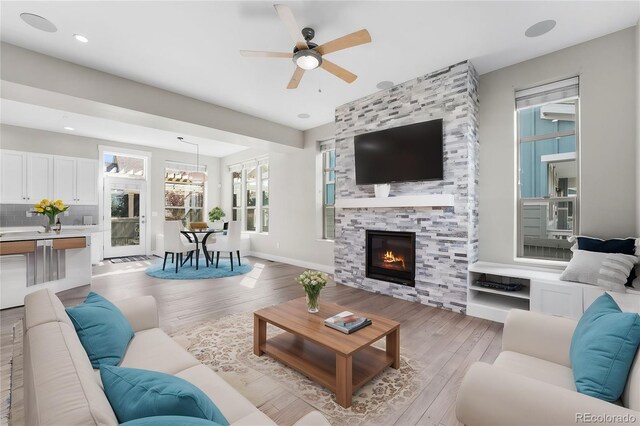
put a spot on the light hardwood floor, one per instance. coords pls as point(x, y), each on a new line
point(446, 343)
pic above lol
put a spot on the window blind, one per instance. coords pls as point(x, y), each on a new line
point(185, 167)
point(551, 92)
point(249, 164)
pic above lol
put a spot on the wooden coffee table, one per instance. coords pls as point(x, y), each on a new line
point(340, 362)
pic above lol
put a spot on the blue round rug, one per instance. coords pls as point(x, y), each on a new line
point(188, 272)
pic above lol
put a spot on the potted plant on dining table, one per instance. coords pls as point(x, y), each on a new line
point(215, 217)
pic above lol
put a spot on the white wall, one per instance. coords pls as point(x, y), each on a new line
point(638, 127)
point(31, 140)
point(608, 123)
point(294, 214)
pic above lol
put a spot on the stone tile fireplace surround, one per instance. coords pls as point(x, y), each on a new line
point(446, 237)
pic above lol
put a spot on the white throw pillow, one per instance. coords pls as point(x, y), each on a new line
point(608, 270)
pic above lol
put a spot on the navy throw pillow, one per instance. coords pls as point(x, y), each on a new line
point(616, 245)
point(103, 331)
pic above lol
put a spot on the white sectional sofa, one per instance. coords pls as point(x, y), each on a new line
point(61, 387)
point(531, 381)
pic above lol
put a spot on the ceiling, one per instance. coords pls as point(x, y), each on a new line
point(53, 120)
point(191, 48)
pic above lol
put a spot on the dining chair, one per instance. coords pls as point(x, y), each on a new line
point(228, 243)
point(175, 245)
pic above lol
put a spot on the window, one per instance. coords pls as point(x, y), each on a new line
point(547, 145)
point(184, 190)
point(236, 204)
point(250, 195)
point(328, 152)
point(119, 165)
point(264, 190)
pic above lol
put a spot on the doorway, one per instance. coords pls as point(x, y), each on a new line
point(124, 218)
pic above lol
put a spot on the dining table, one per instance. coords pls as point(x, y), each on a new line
point(200, 237)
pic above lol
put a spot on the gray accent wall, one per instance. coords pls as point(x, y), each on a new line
point(446, 237)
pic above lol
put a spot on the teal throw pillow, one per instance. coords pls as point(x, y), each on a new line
point(103, 331)
point(135, 393)
point(170, 421)
point(603, 347)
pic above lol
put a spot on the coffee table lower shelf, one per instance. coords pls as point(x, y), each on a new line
point(319, 364)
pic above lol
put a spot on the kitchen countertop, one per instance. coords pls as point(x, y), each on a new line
point(14, 235)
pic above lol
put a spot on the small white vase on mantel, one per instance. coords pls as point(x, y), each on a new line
point(382, 190)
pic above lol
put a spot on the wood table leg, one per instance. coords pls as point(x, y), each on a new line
point(393, 347)
point(259, 334)
point(344, 380)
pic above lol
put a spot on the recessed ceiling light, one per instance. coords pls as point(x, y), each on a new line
point(303, 115)
point(69, 128)
point(38, 22)
point(383, 85)
point(540, 28)
point(81, 38)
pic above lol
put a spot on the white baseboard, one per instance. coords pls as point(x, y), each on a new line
point(296, 262)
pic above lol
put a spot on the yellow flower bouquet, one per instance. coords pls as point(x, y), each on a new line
point(50, 209)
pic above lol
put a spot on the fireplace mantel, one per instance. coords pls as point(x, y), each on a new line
point(432, 200)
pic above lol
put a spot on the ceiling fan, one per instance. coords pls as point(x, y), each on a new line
point(308, 55)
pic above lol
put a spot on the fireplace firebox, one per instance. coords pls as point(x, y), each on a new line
point(391, 256)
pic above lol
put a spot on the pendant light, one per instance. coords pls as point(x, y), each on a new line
point(203, 176)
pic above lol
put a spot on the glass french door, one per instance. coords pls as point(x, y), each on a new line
point(124, 218)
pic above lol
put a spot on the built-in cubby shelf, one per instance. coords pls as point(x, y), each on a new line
point(432, 200)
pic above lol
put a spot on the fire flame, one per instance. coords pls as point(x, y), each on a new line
point(389, 257)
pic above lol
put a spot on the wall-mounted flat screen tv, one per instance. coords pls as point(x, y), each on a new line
point(401, 154)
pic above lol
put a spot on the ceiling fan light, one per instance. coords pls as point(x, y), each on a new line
point(307, 59)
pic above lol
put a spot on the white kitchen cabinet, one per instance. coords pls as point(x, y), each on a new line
point(13, 177)
point(86, 181)
point(75, 180)
point(556, 298)
point(26, 177)
point(39, 177)
point(97, 247)
point(13, 271)
point(64, 179)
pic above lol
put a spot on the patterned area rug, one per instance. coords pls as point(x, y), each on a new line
point(226, 346)
point(189, 272)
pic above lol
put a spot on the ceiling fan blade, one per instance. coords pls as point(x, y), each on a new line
point(260, 53)
point(338, 71)
point(344, 42)
point(295, 80)
point(292, 26)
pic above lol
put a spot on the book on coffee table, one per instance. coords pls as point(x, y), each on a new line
point(347, 322)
